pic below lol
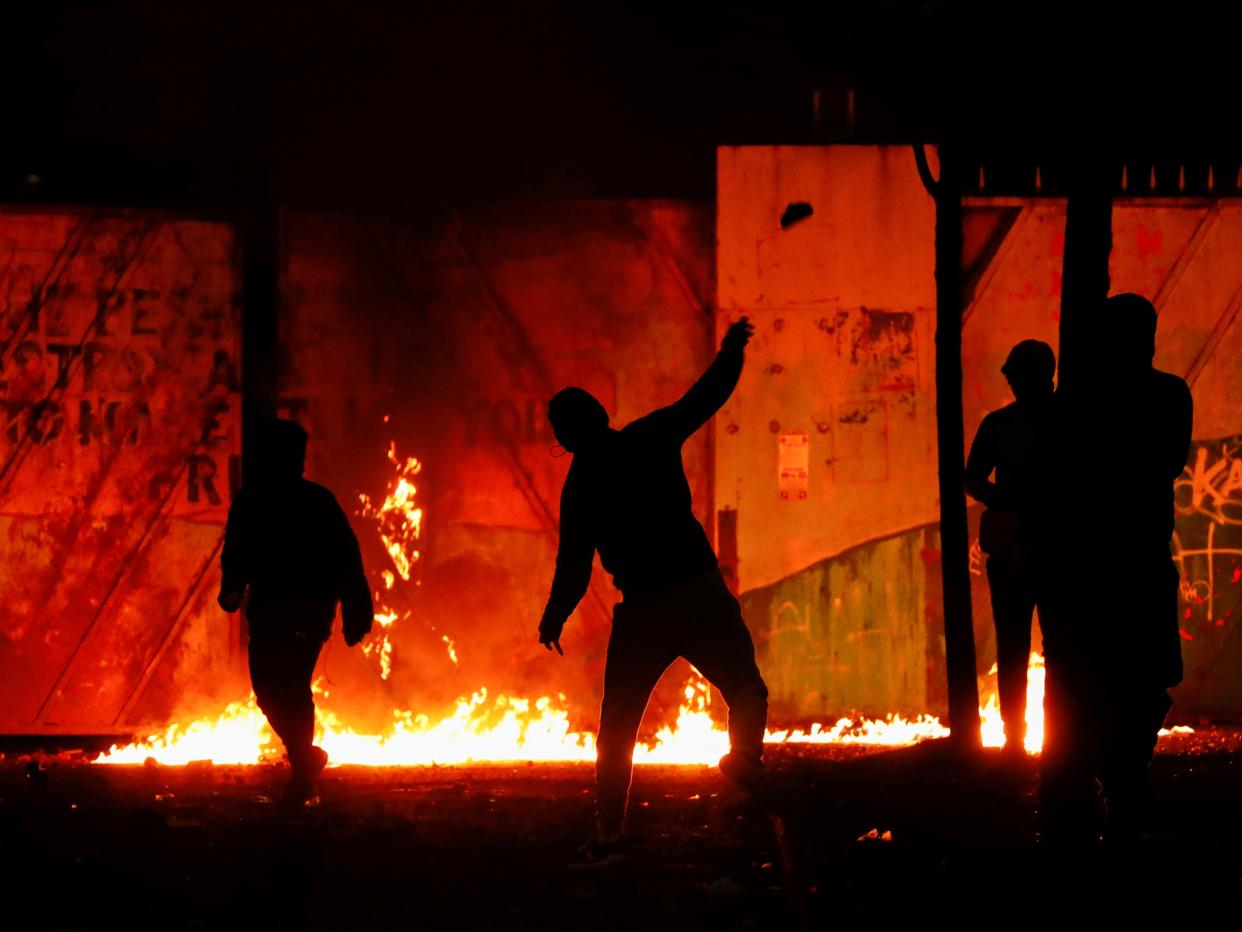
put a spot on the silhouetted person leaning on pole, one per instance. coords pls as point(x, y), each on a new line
point(1107, 579)
point(626, 496)
point(289, 543)
point(1006, 443)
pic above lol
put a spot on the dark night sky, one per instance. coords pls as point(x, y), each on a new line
point(354, 104)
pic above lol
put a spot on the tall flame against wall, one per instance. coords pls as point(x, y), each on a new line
point(398, 520)
point(992, 726)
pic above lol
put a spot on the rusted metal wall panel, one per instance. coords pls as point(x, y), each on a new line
point(817, 290)
point(843, 303)
point(121, 429)
point(447, 339)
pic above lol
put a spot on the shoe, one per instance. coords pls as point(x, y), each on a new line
point(316, 761)
point(302, 786)
point(1128, 810)
point(1015, 749)
point(600, 850)
point(1014, 762)
point(298, 792)
point(747, 773)
point(310, 764)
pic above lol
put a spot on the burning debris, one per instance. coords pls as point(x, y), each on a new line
point(482, 728)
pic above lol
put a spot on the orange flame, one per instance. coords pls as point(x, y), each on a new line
point(505, 729)
point(480, 729)
point(992, 727)
point(398, 520)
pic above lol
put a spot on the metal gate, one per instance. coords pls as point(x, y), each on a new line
point(120, 393)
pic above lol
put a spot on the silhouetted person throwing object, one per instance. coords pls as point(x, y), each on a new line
point(626, 496)
point(289, 543)
point(1107, 577)
point(1006, 444)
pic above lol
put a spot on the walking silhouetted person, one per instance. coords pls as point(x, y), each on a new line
point(290, 553)
point(1107, 578)
point(1006, 445)
point(627, 497)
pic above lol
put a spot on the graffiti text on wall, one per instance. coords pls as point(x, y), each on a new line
point(1208, 539)
point(118, 372)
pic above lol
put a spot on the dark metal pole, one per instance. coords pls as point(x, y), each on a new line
point(261, 231)
point(261, 257)
point(1084, 272)
point(959, 632)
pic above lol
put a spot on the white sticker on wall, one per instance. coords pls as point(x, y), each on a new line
point(792, 464)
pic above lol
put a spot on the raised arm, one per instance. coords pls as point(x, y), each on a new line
point(574, 556)
point(712, 390)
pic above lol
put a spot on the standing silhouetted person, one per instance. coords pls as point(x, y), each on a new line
point(1116, 445)
point(626, 496)
point(289, 543)
point(1006, 444)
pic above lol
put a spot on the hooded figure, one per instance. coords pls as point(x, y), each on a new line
point(289, 550)
point(1006, 445)
point(1107, 583)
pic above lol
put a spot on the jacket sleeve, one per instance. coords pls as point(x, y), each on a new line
point(705, 397)
point(235, 568)
point(979, 466)
point(354, 590)
point(574, 555)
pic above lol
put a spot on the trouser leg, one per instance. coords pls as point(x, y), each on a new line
point(1066, 784)
point(637, 657)
point(1013, 607)
point(280, 674)
point(720, 647)
point(1066, 787)
point(1136, 712)
point(1141, 657)
point(1073, 722)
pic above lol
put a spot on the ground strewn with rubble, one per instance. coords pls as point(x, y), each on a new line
point(878, 837)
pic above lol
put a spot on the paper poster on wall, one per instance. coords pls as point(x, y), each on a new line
point(792, 465)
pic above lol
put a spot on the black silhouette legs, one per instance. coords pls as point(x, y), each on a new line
point(281, 667)
point(1013, 608)
point(701, 621)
